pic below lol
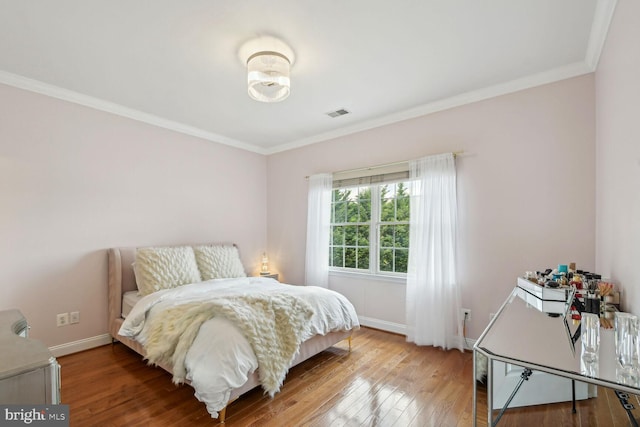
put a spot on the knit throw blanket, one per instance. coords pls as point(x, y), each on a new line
point(273, 324)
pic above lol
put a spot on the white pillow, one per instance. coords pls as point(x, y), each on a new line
point(165, 268)
point(219, 262)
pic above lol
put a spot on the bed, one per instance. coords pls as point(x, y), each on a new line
point(124, 298)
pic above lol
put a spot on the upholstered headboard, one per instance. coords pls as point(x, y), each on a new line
point(121, 280)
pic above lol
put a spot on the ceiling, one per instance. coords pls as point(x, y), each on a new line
point(176, 64)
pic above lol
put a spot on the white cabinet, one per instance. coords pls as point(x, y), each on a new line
point(29, 374)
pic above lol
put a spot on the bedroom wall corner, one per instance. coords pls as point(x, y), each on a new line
point(618, 155)
point(75, 181)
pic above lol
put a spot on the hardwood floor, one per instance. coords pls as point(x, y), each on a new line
point(384, 381)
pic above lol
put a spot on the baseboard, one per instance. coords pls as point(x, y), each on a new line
point(397, 328)
point(97, 341)
point(80, 345)
point(383, 325)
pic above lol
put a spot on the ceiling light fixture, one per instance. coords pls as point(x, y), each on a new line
point(268, 76)
point(268, 62)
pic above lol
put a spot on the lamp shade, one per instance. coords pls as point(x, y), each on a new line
point(268, 76)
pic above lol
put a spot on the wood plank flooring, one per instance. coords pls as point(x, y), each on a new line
point(384, 381)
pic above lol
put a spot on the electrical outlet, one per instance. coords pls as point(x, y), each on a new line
point(62, 319)
point(74, 317)
point(466, 314)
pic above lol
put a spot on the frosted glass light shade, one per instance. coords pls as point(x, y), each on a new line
point(264, 267)
point(268, 76)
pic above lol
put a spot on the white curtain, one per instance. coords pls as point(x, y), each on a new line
point(433, 297)
point(318, 230)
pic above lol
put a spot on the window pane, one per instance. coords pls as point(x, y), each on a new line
point(364, 193)
point(387, 208)
point(363, 258)
point(350, 243)
point(363, 235)
point(342, 195)
point(350, 257)
point(402, 190)
point(337, 259)
point(340, 212)
point(353, 211)
point(402, 236)
point(386, 236)
point(337, 235)
point(388, 191)
point(386, 260)
point(365, 210)
point(402, 260)
point(350, 235)
point(403, 209)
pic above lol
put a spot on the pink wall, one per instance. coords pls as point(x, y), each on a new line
point(75, 181)
point(526, 186)
point(618, 154)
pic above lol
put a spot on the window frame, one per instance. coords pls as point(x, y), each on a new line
point(375, 226)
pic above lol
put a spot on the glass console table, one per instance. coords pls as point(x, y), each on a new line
point(523, 334)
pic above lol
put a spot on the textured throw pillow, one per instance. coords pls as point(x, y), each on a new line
point(219, 262)
point(165, 268)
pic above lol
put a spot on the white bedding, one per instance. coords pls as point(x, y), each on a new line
point(220, 358)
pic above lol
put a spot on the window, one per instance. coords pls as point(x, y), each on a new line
point(370, 228)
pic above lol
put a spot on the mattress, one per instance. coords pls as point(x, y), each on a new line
point(129, 299)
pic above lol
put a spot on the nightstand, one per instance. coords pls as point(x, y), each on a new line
point(270, 276)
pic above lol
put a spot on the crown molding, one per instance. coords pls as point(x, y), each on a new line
point(47, 89)
point(572, 70)
point(599, 29)
point(603, 15)
point(569, 71)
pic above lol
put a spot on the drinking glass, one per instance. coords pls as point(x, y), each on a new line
point(590, 337)
point(626, 327)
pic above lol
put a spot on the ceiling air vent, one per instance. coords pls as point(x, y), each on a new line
point(337, 113)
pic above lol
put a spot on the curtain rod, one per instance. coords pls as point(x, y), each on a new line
point(455, 154)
